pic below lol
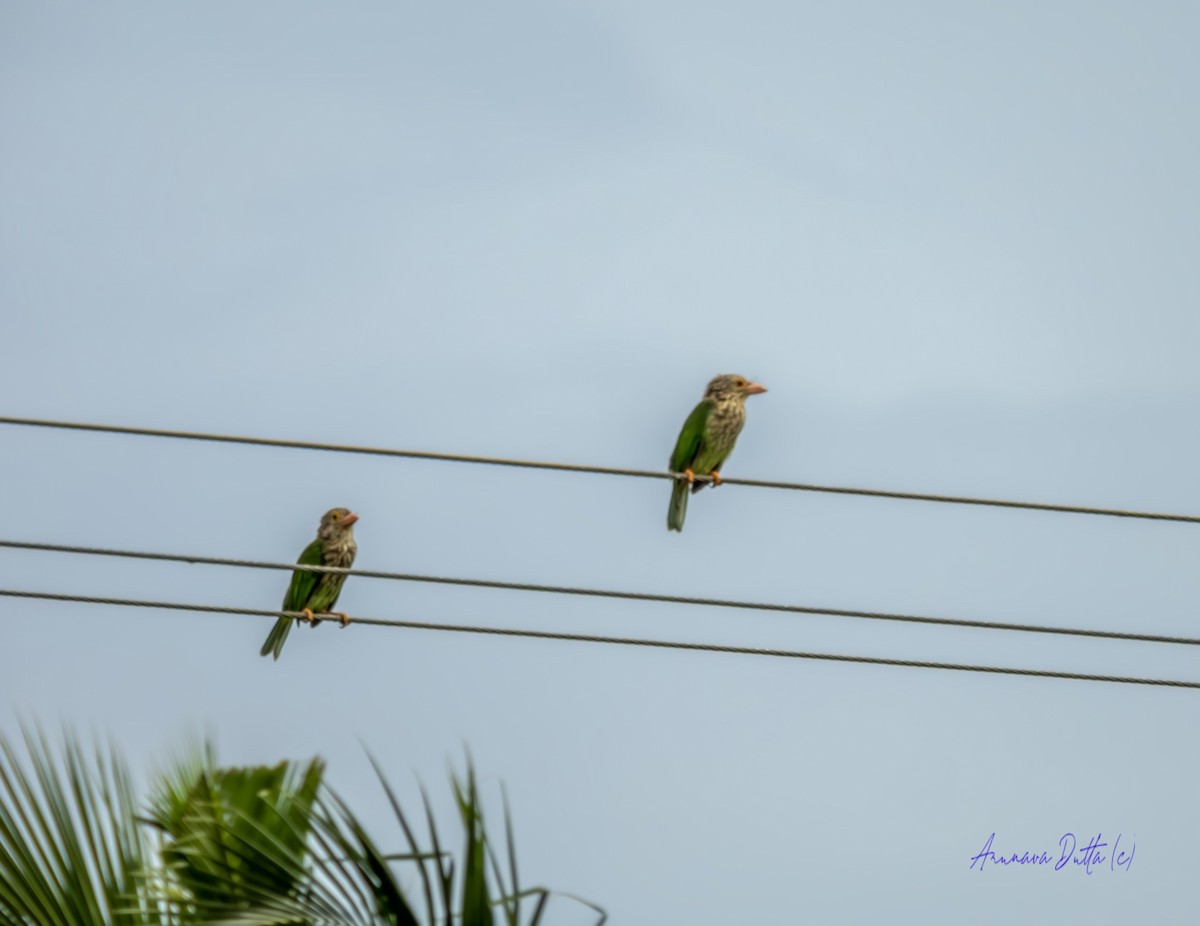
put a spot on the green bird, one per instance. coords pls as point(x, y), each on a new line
point(707, 439)
point(317, 592)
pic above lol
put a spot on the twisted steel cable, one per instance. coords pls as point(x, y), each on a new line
point(608, 593)
point(611, 640)
point(602, 470)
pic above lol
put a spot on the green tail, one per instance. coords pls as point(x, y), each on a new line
point(276, 637)
point(678, 509)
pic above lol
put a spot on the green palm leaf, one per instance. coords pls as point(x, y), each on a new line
point(236, 841)
point(71, 850)
point(260, 846)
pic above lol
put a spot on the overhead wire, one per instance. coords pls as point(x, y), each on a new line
point(610, 640)
point(601, 470)
point(604, 593)
point(591, 638)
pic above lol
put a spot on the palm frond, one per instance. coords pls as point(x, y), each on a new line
point(71, 849)
point(236, 840)
point(476, 902)
point(258, 846)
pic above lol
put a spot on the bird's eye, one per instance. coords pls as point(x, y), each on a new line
point(741, 382)
point(337, 516)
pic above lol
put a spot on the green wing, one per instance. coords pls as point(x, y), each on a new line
point(691, 438)
point(303, 581)
point(297, 598)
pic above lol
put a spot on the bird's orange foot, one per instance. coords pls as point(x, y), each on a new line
point(716, 478)
point(343, 617)
point(689, 476)
point(308, 615)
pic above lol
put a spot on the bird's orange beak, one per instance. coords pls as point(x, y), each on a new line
point(754, 389)
point(349, 519)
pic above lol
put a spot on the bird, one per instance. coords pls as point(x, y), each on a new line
point(317, 592)
point(707, 439)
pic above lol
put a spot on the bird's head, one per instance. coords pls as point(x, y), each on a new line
point(731, 386)
point(335, 523)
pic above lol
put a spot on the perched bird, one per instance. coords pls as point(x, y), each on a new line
point(707, 439)
point(317, 592)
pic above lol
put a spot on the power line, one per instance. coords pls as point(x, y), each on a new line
point(606, 593)
point(622, 641)
point(602, 470)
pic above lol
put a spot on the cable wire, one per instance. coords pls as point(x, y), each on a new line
point(622, 641)
point(602, 470)
point(605, 593)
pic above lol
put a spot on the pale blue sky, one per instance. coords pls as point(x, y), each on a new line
point(957, 242)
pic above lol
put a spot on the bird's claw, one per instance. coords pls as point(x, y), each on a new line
point(716, 478)
point(343, 617)
point(308, 616)
point(689, 476)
